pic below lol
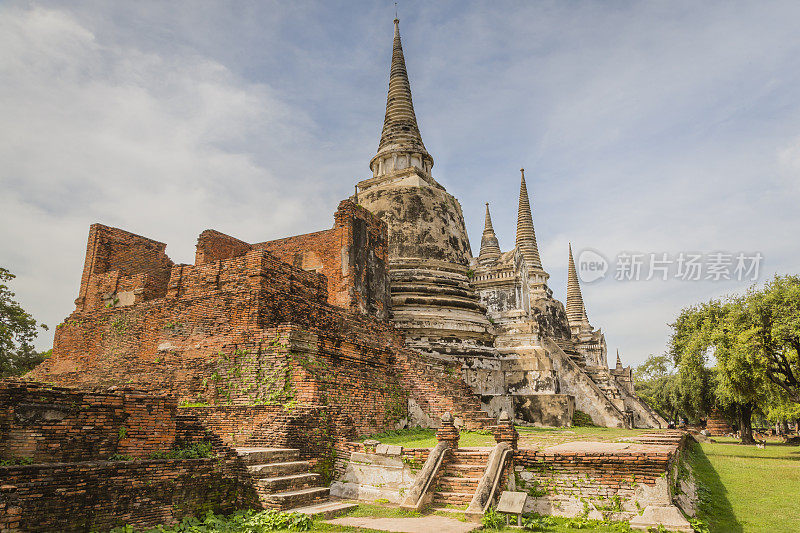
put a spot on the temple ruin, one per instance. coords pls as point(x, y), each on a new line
point(282, 353)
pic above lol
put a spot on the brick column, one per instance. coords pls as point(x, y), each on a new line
point(505, 431)
point(448, 433)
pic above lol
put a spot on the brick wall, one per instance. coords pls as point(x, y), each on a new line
point(311, 429)
point(51, 424)
point(352, 256)
point(587, 474)
point(610, 483)
point(242, 327)
point(68, 489)
point(214, 246)
point(123, 265)
point(100, 495)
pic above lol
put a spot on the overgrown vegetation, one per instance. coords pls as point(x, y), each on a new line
point(241, 522)
point(426, 438)
point(494, 521)
point(196, 450)
point(581, 419)
point(16, 462)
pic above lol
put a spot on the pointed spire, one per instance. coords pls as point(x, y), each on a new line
point(619, 361)
point(490, 248)
point(526, 237)
point(576, 312)
point(400, 131)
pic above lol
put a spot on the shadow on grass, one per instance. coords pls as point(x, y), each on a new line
point(714, 508)
point(762, 457)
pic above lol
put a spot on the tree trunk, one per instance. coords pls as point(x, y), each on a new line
point(745, 423)
point(784, 427)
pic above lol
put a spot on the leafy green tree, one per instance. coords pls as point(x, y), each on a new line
point(18, 329)
point(773, 319)
point(741, 353)
point(657, 383)
point(689, 351)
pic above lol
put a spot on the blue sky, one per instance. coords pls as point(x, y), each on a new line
point(643, 126)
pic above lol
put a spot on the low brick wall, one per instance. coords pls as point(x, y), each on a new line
point(71, 487)
point(101, 495)
point(615, 483)
point(54, 424)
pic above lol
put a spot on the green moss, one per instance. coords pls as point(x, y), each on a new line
point(581, 419)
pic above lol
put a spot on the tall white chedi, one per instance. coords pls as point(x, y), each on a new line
point(433, 301)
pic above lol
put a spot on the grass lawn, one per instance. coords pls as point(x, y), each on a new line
point(529, 437)
point(426, 438)
point(746, 489)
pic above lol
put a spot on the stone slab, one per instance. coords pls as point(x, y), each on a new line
point(389, 449)
point(609, 448)
point(376, 459)
point(512, 502)
point(427, 524)
point(668, 516)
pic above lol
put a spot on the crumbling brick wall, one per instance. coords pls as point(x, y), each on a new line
point(214, 246)
point(352, 256)
point(243, 327)
point(71, 486)
point(121, 266)
point(615, 484)
point(48, 424)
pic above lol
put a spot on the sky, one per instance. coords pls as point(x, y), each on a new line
point(644, 128)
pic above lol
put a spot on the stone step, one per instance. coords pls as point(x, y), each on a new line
point(292, 482)
point(327, 509)
point(457, 484)
point(260, 456)
point(454, 510)
point(279, 469)
point(295, 498)
point(452, 470)
point(466, 460)
point(469, 452)
point(452, 498)
point(464, 481)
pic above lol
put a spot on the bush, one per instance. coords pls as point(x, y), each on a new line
point(242, 521)
point(197, 450)
point(537, 523)
point(492, 519)
point(581, 419)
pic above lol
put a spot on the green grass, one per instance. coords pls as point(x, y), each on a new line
point(530, 437)
point(746, 489)
point(426, 438)
point(573, 525)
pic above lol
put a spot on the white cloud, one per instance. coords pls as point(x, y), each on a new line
point(162, 145)
point(658, 127)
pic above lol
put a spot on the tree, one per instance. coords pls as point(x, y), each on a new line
point(18, 329)
point(689, 351)
point(657, 383)
point(741, 353)
point(773, 316)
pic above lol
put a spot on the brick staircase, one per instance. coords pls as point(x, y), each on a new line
point(460, 475)
point(437, 386)
point(284, 482)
